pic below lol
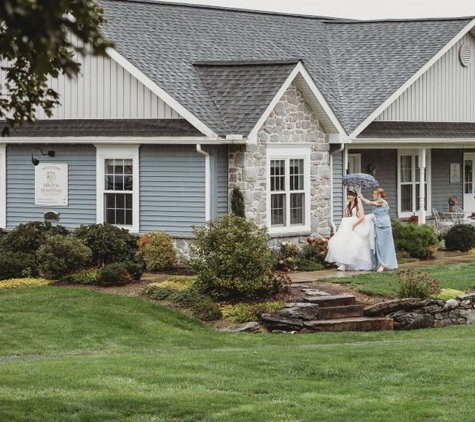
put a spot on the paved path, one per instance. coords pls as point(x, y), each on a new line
point(441, 258)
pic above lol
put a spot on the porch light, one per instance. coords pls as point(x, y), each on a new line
point(34, 160)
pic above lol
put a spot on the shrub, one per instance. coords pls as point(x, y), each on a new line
point(233, 258)
point(107, 242)
point(460, 237)
point(206, 310)
point(28, 237)
point(15, 283)
point(159, 253)
point(84, 277)
point(135, 267)
point(414, 283)
point(244, 312)
point(16, 265)
point(114, 275)
point(419, 242)
point(446, 294)
point(314, 251)
point(238, 207)
point(285, 257)
point(60, 255)
point(163, 290)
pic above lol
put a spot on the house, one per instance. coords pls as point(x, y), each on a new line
point(195, 99)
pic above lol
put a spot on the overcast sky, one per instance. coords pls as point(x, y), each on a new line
point(358, 9)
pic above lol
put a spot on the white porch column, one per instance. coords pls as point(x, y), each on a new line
point(422, 195)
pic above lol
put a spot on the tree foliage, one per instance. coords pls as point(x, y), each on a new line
point(35, 43)
point(237, 202)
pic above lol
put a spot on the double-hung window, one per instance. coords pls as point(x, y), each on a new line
point(288, 188)
point(117, 190)
point(409, 183)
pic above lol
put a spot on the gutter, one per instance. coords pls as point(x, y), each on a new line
point(340, 149)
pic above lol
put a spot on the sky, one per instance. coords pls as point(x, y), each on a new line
point(356, 9)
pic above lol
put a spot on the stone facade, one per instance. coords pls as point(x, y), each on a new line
point(292, 121)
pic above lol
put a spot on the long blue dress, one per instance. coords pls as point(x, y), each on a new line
point(385, 252)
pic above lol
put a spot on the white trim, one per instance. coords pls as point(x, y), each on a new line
point(104, 152)
point(415, 184)
point(411, 80)
point(207, 182)
point(152, 86)
point(3, 186)
point(124, 140)
point(299, 69)
point(295, 151)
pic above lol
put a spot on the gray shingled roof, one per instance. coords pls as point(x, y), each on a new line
point(355, 65)
point(430, 130)
point(100, 127)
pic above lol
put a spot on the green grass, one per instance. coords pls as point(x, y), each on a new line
point(77, 355)
point(454, 276)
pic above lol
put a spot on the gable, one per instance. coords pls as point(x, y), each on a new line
point(105, 90)
point(445, 93)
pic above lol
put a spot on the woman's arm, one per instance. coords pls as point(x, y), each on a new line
point(378, 203)
point(360, 218)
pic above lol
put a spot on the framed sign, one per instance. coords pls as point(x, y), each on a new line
point(51, 185)
point(454, 172)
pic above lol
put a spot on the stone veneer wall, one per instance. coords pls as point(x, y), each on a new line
point(291, 121)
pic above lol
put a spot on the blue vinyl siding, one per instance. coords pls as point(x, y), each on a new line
point(81, 160)
point(442, 189)
point(172, 189)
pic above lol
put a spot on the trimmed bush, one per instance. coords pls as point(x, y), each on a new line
point(158, 252)
point(446, 294)
point(17, 265)
point(114, 274)
point(244, 312)
point(17, 283)
point(60, 255)
point(233, 258)
point(28, 237)
point(108, 243)
point(460, 237)
point(84, 277)
point(238, 207)
point(419, 242)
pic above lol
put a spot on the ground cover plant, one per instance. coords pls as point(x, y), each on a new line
point(100, 357)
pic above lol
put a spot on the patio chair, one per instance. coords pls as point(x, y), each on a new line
point(441, 223)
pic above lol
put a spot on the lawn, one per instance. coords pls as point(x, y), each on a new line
point(454, 276)
point(79, 355)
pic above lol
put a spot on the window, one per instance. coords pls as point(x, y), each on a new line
point(409, 183)
point(354, 163)
point(117, 178)
point(289, 180)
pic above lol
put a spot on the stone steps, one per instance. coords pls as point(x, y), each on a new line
point(321, 311)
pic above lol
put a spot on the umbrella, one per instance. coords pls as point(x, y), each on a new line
point(360, 180)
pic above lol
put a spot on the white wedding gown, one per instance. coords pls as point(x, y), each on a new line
point(353, 248)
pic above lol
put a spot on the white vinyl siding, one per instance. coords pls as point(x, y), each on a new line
point(445, 93)
point(118, 186)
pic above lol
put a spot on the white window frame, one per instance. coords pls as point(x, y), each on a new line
point(3, 186)
point(289, 152)
point(414, 153)
point(354, 163)
point(108, 152)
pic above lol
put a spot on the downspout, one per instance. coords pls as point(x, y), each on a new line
point(207, 181)
point(340, 149)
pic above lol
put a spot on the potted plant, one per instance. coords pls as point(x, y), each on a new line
point(452, 202)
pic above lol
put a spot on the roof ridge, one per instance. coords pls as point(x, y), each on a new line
point(235, 9)
point(246, 62)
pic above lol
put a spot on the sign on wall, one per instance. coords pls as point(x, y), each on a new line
point(454, 172)
point(51, 184)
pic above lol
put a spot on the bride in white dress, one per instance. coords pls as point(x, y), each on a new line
point(352, 246)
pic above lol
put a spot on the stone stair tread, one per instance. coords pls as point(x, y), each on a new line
point(333, 300)
point(340, 312)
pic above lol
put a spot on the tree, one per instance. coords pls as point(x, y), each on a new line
point(35, 44)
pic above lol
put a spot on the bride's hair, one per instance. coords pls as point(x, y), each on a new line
point(350, 205)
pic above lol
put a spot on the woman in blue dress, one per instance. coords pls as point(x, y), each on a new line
point(385, 252)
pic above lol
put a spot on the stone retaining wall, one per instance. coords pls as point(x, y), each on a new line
point(409, 314)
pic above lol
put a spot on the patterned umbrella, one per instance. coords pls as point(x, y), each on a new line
point(360, 180)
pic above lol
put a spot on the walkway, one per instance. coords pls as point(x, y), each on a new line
point(441, 258)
